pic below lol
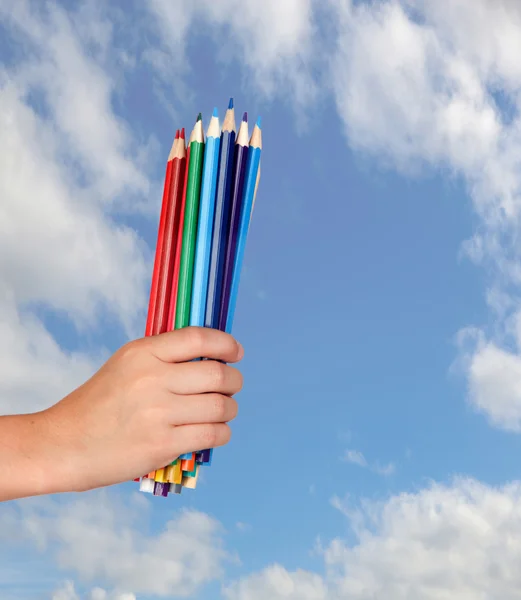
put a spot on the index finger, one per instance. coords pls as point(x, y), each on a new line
point(183, 345)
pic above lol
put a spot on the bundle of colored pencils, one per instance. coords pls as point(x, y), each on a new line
point(209, 193)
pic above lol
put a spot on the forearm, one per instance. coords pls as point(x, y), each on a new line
point(25, 465)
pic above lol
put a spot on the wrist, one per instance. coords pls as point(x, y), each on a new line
point(28, 457)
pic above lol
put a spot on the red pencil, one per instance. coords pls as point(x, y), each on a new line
point(173, 214)
point(152, 303)
point(179, 245)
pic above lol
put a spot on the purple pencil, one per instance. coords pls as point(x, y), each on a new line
point(239, 170)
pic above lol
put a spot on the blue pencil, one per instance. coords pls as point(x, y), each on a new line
point(222, 219)
point(205, 227)
point(252, 169)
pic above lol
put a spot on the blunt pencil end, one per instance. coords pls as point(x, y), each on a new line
point(245, 117)
point(230, 104)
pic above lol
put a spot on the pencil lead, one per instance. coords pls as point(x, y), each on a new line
point(177, 134)
point(215, 112)
point(182, 136)
point(259, 122)
point(199, 117)
point(230, 105)
point(245, 117)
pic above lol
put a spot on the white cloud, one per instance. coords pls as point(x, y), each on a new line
point(35, 372)
point(65, 52)
point(275, 583)
point(68, 592)
point(66, 171)
point(495, 385)
point(98, 537)
point(272, 38)
point(418, 89)
point(355, 457)
point(459, 541)
point(57, 245)
point(386, 470)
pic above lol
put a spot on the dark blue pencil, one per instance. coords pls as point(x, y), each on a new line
point(221, 219)
point(239, 169)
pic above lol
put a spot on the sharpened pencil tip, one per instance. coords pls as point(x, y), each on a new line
point(245, 117)
point(259, 122)
point(177, 134)
point(215, 112)
point(230, 104)
point(199, 117)
point(182, 136)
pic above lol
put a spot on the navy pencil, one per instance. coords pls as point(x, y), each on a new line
point(221, 219)
point(239, 171)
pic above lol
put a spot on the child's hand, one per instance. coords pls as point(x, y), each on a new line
point(143, 408)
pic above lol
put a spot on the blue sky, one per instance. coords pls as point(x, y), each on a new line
point(381, 411)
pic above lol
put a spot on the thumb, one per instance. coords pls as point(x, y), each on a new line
point(183, 345)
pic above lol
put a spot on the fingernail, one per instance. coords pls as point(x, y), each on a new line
point(241, 350)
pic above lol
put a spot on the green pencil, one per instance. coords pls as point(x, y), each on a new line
point(193, 189)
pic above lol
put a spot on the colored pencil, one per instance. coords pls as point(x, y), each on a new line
point(239, 171)
point(164, 289)
point(159, 246)
point(159, 257)
point(255, 192)
point(172, 318)
point(189, 481)
point(184, 291)
point(179, 237)
point(221, 219)
point(205, 223)
point(177, 159)
point(220, 232)
point(208, 200)
point(147, 485)
point(252, 168)
point(230, 241)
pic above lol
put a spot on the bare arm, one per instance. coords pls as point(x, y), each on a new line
point(147, 405)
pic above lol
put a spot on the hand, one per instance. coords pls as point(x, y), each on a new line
point(143, 408)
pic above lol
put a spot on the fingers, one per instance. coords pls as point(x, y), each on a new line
point(195, 342)
point(203, 376)
point(202, 408)
point(191, 438)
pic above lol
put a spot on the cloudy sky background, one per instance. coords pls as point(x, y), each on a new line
point(376, 452)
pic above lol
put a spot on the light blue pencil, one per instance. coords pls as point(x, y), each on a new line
point(252, 168)
point(203, 245)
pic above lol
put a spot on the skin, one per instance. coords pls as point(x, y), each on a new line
point(145, 406)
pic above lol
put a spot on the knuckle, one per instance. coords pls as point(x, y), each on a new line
point(239, 381)
point(226, 434)
point(196, 339)
point(130, 349)
point(145, 383)
point(216, 374)
point(208, 436)
point(234, 409)
point(219, 407)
